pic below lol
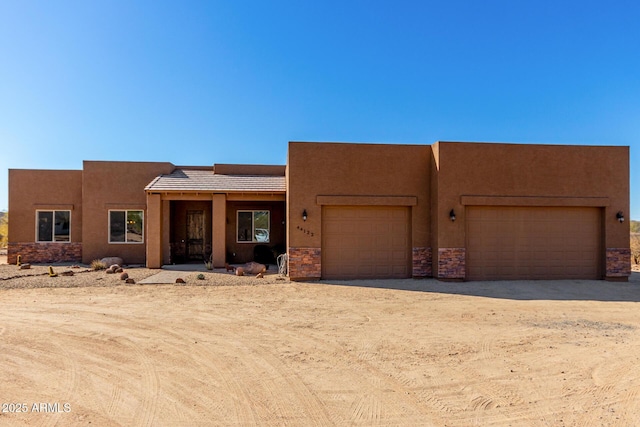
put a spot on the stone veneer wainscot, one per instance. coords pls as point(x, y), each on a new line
point(44, 252)
point(422, 262)
point(618, 262)
point(305, 263)
point(451, 263)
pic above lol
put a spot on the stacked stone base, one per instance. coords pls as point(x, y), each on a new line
point(305, 263)
point(44, 252)
point(422, 262)
point(451, 263)
point(618, 263)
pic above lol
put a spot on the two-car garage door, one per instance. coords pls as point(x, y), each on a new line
point(533, 243)
point(361, 242)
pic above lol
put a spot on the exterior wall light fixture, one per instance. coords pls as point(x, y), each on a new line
point(452, 215)
point(620, 216)
point(304, 215)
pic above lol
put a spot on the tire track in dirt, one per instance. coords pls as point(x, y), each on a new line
point(504, 399)
point(398, 401)
point(114, 400)
point(273, 371)
point(301, 396)
point(149, 390)
point(179, 344)
point(614, 385)
point(68, 391)
point(150, 383)
point(366, 410)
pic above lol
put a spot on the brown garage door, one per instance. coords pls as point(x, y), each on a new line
point(361, 242)
point(533, 243)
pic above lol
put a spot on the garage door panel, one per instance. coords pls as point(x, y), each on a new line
point(533, 243)
point(365, 242)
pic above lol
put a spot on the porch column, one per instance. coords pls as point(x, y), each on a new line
point(219, 229)
point(154, 231)
point(166, 232)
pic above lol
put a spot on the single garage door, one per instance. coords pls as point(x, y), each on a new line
point(363, 242)
point(533, 243)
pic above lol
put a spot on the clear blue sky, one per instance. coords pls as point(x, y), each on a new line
point(200, 82)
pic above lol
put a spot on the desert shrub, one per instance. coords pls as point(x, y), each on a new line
point(635, 248)
point(96, 264)
point(4, 229)
point(209, 263)
point(200, 276)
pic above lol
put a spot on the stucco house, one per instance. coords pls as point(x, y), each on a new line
point(451, 210)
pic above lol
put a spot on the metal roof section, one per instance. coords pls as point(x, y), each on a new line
point(183, 180)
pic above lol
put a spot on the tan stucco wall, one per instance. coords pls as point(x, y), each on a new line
point(336, 169)
point(117, 185)
point(31, 190)
point(233, 169)
point(561, 174)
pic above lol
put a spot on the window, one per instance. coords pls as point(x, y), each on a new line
point(53, 226)
point(253, 226)
point(126, 226)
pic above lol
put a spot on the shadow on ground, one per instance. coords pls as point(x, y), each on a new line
point(559, 290)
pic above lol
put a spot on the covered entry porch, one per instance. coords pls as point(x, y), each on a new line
point(200, 215)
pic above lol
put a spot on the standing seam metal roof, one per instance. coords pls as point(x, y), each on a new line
point(202, 180)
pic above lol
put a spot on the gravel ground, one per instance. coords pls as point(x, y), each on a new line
point(11, 277)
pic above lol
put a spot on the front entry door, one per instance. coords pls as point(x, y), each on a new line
point(195, 235)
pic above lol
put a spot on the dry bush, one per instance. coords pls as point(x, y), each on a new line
point(4, 229)
point(96, 264)
point(635, 248)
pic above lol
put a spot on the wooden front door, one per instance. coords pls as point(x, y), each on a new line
point(195, 235)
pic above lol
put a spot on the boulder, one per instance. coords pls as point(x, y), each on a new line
point(239, 271)
point(180, 280)
point(110, 260)
point(254, 268)
point(124, 276)
point(130, 281)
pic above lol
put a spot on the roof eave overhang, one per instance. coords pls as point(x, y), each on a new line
point(231, 195)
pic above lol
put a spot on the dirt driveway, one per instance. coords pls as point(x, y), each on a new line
point(372, 353)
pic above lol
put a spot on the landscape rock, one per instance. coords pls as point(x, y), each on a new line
point(180, 280)
point(254, 268)
point(130, 281)
point(110, 260)
point(239, 271)
point(25, 266)
point(124, 276)
point(67, 273)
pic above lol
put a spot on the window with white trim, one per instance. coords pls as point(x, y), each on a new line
point(53, 226)
point(126, 226)
point(253, 226)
